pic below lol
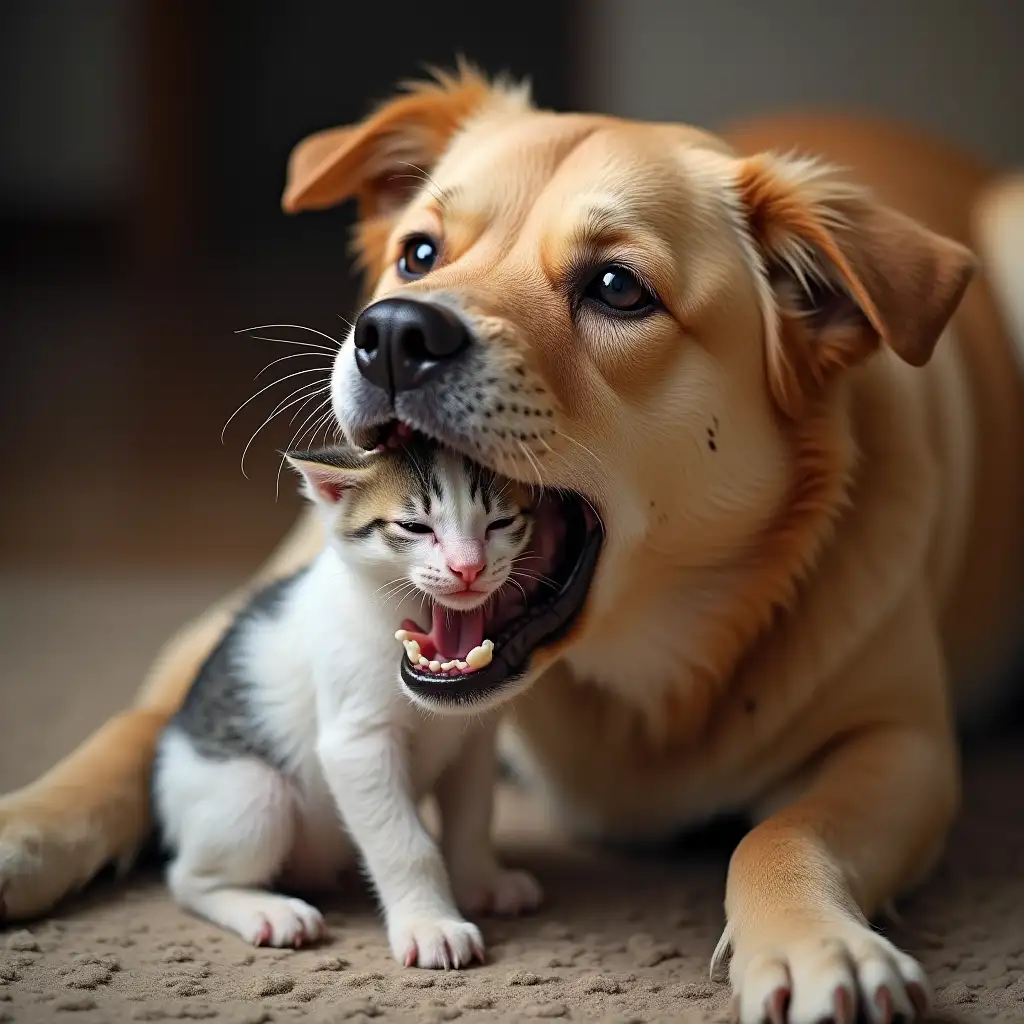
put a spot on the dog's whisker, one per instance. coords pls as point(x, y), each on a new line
point(531, 459)
point(296, 327)
point(437, 192)
point(293, 355)
point(264, 423)
point(273, 383)
point(580, 444)
point(291, 444)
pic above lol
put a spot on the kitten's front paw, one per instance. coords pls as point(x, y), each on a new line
point(435, 942)
point(281, 921)
point(492, 889)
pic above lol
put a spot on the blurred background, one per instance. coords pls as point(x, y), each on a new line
point(144, 145)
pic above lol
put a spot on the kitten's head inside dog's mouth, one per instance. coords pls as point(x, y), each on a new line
point(469, 657)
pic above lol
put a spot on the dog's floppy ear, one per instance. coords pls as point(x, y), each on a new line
point(378, 160)
point(845, 273)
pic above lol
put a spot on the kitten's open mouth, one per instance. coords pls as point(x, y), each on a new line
point(465, 657)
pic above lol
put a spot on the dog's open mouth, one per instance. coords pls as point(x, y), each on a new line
point(465, 657)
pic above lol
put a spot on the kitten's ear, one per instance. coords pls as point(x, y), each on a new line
point(328, 474)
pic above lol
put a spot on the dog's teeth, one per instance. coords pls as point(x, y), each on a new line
point(480, 656)
point(445, 665)
point(423, 663)
point(402, 635)
point(412, 651)
point(462, 664)
point(434, 666)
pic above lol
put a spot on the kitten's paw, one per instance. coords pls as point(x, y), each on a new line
point(493, 889)
point(282, 921)
point(435, 942)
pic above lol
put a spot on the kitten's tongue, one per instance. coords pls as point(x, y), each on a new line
point(452, 634)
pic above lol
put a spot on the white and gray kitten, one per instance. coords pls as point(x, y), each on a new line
point(297, 747)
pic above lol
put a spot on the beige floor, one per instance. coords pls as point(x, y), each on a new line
point(622, 939)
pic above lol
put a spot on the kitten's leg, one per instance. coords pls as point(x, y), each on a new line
point(231, 825)
point(367, 773)
point(465, 795)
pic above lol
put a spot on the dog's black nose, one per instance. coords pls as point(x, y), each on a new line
point(400, 343)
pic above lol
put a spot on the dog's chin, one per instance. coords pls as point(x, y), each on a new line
point(521, 623)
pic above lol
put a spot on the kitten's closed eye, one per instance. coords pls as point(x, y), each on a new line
point(415, 527)
point(501, 524)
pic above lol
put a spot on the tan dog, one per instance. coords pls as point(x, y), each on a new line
point(811, 492)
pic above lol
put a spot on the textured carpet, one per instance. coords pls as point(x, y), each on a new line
point(622, 938)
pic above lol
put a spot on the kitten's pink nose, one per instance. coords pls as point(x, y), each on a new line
point(466, 559)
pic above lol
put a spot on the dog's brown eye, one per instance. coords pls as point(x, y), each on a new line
point(419, 254)
point(620, 289)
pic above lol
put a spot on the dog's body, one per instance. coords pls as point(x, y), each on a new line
point(807, 538)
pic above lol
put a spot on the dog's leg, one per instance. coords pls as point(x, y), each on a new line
point(465, 797)
point(803, 884)
point(93, 807)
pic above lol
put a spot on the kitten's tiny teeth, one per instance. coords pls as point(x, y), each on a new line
point(462, 664)
point(434, 666)
point(412, 650)
point(447, 665)
point(402, 635)
point(423, 663)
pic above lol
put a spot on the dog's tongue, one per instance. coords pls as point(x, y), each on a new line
point(452, 634)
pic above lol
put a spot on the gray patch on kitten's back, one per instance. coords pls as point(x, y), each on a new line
point(217, 713)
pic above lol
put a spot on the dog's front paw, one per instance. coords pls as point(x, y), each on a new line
point(492, 889)
point(435, 942)
point(825, 971)
point(44, 855)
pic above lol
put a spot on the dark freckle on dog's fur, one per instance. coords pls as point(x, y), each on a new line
point(500, 407)
point(520, 372)
point(514, 388)
point(712, 443)
point(514, 407)
point(492, 381)
point(548, 413)
point(750, 705)
point(487, 414)
point(652, 504)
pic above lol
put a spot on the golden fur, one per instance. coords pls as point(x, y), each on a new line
point(813, 494)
